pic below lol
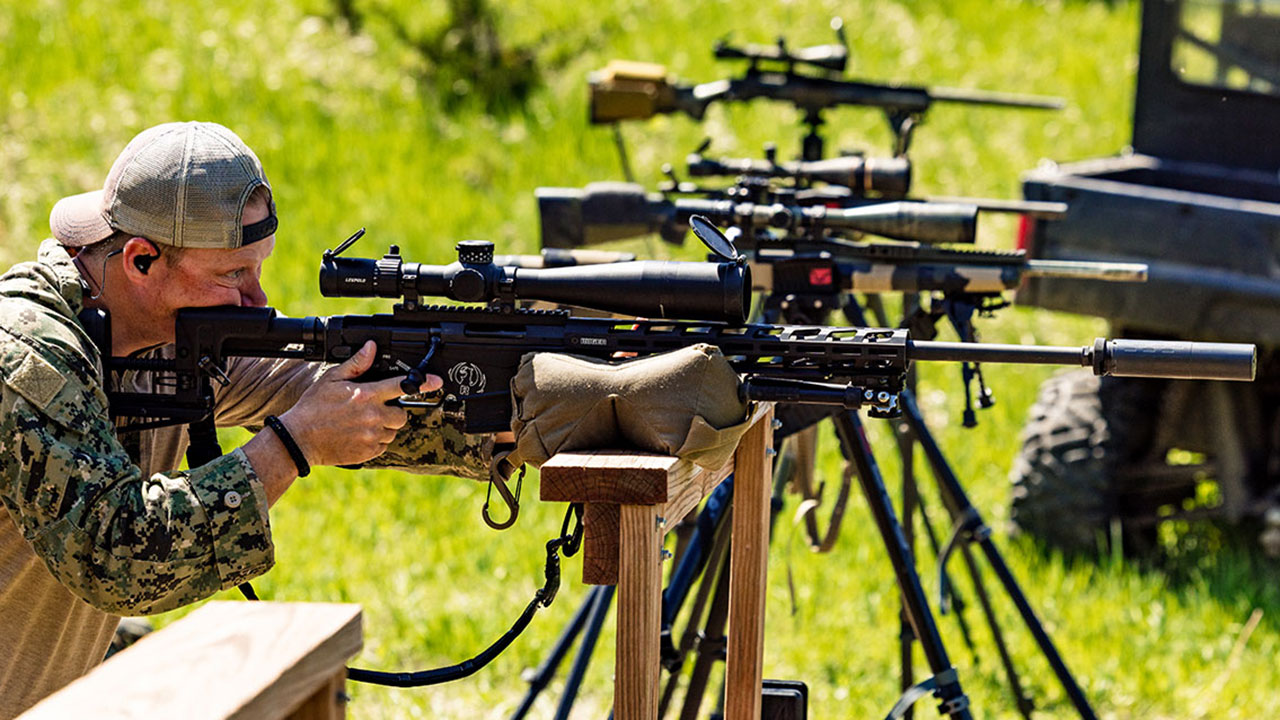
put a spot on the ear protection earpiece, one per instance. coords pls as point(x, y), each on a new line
point(143, 263)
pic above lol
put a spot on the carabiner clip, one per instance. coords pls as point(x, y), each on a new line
point(512, 501)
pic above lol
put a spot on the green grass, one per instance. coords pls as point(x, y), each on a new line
point(350, 138)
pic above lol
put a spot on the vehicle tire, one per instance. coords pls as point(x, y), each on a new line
point(1079, 432)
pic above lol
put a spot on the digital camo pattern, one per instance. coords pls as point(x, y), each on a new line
point(124, 542)
point(432, 443)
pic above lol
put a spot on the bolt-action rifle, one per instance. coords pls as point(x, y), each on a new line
point(477, 350)
point(804, 256)
point(607, 211)
point(626, 90)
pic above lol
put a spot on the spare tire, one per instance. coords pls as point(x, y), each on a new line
point(1081, 430)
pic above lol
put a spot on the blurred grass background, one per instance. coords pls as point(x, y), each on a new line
point(357, 127)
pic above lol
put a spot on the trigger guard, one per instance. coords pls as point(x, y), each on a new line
point(402, 402)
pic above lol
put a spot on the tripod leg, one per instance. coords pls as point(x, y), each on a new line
point(853, 438)
point(910, 500)
point(690, 637)
point(959, 505)
point(541, 677)
point(710, 646)
point(958, 604)
point(1024, 702)
point(602, 596)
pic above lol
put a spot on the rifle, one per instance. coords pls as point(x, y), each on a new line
point(626, 90)
point(810, 262)
point(608, 211)
point(477, 350)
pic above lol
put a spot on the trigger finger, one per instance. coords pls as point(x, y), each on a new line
point(432, 383)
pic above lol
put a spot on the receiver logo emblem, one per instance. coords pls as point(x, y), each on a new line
point(469, 378)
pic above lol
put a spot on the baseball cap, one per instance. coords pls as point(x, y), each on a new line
point(183, 184)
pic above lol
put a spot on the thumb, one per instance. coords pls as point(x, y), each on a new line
point(356, 365)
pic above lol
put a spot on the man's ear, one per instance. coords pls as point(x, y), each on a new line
point(138, 255)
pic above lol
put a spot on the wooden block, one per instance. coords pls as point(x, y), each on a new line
point(609, 476)
point(600, 521)
point(749, 560)
point(600, 544)
point(242, 660)
point(684, 497)
point(326, 703)
point(639, 613)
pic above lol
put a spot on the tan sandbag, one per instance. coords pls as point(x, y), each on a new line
point(683, 403)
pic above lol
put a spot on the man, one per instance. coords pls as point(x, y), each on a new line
point(99, 521)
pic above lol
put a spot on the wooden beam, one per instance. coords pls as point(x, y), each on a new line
point(241, 660)
point(749, 562)
point(685, 497)
point(611, 476)
point(600, 549)
point(636, 668)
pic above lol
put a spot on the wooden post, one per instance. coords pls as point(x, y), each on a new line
point(241, 660)
point(639, 612)
point(748, 566)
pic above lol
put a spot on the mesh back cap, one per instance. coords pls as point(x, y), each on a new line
point(181, 184)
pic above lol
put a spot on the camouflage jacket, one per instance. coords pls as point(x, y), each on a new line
point(103, 509)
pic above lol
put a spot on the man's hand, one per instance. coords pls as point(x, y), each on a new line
point(341, 422)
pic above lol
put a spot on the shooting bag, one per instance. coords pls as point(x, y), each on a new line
point(684, 403)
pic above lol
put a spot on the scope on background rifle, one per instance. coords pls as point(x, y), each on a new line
point(890, 177)
point(845, 179)
point(610, 211)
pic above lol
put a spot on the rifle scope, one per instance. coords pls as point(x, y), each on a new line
point(887, 176)
point(650, 288)
point(612, 211)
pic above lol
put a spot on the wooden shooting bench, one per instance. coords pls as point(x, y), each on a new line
point(630, 500)
point(241, 660)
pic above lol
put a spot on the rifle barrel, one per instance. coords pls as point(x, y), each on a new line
point(1087, 270)
point(1120, 358)
point(1037, 209)
point(999, 99)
